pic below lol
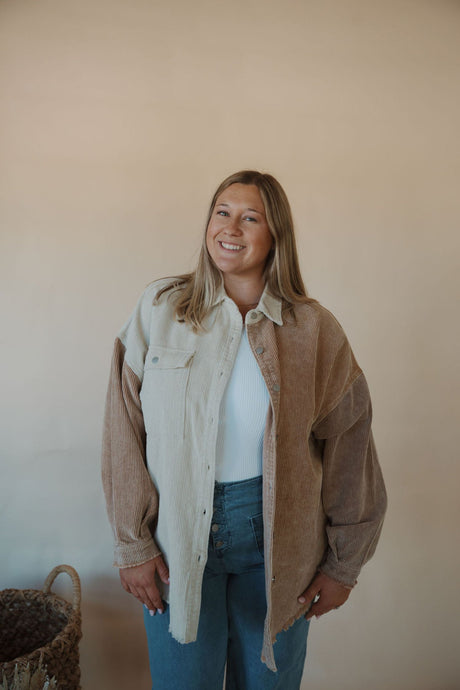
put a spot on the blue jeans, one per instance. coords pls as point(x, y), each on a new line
point(232, 611)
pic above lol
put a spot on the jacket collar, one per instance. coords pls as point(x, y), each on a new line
point(269, 305)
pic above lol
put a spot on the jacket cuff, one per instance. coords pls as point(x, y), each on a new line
point(339, 571)
point(137, 553)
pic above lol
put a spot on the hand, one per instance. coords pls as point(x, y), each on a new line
point(332, 595)
point(140, 582)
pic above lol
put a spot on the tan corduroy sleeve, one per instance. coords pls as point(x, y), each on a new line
point(132, 500)
point(354, 497)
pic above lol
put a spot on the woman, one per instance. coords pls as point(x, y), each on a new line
point(240, 473)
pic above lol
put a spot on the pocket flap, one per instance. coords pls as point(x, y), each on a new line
point(159, 357)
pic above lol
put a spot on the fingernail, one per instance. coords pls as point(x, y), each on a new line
point(152, 613)
point(160, 611)
point(301, 600)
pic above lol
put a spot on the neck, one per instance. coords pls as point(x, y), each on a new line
point(244, 291)
point(245, 294)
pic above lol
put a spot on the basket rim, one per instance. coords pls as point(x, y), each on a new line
point(46, 591)
point(39, 595)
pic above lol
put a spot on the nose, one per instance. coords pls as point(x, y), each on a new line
point(233, 227)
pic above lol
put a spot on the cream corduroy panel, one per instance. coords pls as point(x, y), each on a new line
point(180, 406)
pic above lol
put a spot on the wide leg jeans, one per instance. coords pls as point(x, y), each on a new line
point(232, 613)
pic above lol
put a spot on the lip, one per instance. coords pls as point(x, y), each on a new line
point(230, 246)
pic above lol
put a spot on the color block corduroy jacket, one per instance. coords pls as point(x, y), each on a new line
point(323, 493)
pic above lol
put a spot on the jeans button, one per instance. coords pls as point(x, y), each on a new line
point(215, 528)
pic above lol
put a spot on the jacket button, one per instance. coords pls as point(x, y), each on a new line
point(155, 359)
point(253, 315)
point(215, 528)
point(259, 350)
point(276, 387)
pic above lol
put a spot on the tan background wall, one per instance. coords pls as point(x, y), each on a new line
point(117, 120)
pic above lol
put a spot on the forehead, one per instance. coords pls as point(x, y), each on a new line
point(246, 195)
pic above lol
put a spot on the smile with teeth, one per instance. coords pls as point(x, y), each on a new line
point(232, 247)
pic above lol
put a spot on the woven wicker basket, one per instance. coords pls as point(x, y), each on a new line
point(38, 625)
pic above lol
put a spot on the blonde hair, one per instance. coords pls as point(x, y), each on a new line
point(196, 292)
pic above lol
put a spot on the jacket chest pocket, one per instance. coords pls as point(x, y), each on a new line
point(164, 390)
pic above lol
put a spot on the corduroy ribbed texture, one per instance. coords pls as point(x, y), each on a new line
point(132, 513)
point(324, 497)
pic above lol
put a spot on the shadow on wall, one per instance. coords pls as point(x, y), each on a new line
point(113, 650)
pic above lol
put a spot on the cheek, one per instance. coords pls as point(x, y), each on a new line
point(266, 243)
point(211, 230)
point(209, 240)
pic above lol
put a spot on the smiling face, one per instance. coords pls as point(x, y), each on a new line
point(238, 237)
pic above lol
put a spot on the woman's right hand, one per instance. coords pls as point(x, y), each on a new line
point(139, 580)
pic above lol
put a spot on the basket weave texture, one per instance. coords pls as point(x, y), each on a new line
point(38, 625)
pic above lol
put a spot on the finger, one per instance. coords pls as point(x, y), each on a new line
point(152, 597)
point(124, 582)
point(125, 586)
point(319, 608)
point(163, 571)
point(317, 611)
point(310, 594)
point(152, 612)
point(312, 612)
point(140, 582)
point(145, 599)
point(140, 594)
point(135, 592)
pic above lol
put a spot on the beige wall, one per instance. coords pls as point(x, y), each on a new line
point(116, 121)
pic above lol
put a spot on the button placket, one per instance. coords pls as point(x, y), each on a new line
point(228, 348)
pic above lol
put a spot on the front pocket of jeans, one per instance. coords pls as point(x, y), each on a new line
point(257, 524)
point(164, 389)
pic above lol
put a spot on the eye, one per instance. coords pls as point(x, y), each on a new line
point(251, 219)
point(223, 213)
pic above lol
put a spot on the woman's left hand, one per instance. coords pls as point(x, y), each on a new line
point(331, 595)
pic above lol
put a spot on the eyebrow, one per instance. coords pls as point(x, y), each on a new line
point(254, 210)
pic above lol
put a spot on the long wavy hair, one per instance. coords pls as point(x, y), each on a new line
point(195, 292)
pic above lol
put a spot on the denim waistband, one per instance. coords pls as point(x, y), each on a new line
point(229, 488)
